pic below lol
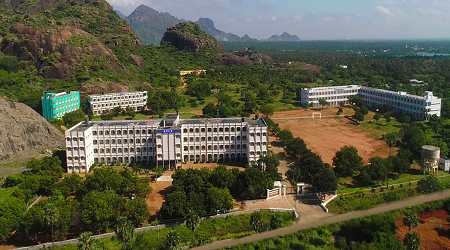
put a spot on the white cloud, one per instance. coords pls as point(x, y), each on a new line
point(273, 18)
point(382, 10)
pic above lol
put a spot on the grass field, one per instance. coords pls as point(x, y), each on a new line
point(347, 185)
point(378, 128)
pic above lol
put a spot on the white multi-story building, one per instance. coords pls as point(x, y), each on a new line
point(100, 103)
point(333, 95)
point(401, 102)
point(168, 142)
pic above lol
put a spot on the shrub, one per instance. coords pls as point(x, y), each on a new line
point(13, 180)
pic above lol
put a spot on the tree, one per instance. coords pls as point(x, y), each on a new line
point(158, 171)
point(106, 115)
point(210, 110)
point(391, 140)
point(73, 118)
point(387, 116)
point(253, 184)
point(377, 117)
point(173, 240)
point(13, 180)
point(70, 185)
point(359, 116)
point(218, 199)
point(175, 205)
point(192, 222)
point(137, 211)
point(267, 109)
point(256, 220)
point(51, 216)
point(101, 209)
point(221, 177)
point(378, 169)
point(411, 221)
point(271, 163)
point(325, 180)
point(323, 102)
point(428, 185)
point(275, 221)
point(412, 241)
point(285, 135)
point(364, 110)
point(136, 168)
point(356, 101)
point(400, 164)
point(131, 112)
point(125, 232)
point(347, 161)
point(104, 179)
point(295, 148)
point(86, 241)
point(386, 108)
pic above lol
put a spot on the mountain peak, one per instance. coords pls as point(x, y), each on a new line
point(284, 37)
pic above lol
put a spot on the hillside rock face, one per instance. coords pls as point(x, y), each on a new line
point(57, 50)
point(253, 56)
point(23, 132)
point(285, 37)
point(208, 26)
point(190, 37)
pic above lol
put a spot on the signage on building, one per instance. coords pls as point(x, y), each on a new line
point(168, 131)
point(338, 90)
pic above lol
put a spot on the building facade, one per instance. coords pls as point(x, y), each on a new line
point(333, 95)
point(106, 102)
point(401, 102)
point(167, 143)
point(57, 105)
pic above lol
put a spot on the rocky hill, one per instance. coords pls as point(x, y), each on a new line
point(23, 132)
point(208, 26)
point(61, 37)
point(253, 56)
point(190, 37)
point(120, 14)
point(285, 37)
point(150, 24)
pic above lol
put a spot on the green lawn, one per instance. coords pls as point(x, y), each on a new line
point(346, 185)
point(6, 192)
point(378, 128)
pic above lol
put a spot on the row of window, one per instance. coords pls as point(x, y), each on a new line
point(215, 138)
point(126, 132)
point(393, 96)
point(124, 141)
point(221, 129)
point(75, 139)
point(333, 92)
point(65, 100)
point(118, 97)
point(216, 147)
point(117, 104)
point(125, 150)
point(330, 98)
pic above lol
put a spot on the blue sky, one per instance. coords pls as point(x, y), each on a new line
point(313, 19)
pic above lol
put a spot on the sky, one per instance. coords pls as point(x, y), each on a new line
point(313, 19)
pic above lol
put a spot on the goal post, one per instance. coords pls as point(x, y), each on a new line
point(317, 113)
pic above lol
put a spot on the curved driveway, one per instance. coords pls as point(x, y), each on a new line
point(329, 220)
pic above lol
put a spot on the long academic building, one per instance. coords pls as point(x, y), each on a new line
point(106, 102)
point(168, 142)
point(401, 102)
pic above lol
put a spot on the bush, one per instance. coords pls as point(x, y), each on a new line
point(13, 180)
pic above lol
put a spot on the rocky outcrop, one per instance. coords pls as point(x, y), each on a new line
point(208, 26)
point(253, 56)
point(23, 132)
point(285, 37)
point(190, 37)
point(57, 51)
point(137, 61)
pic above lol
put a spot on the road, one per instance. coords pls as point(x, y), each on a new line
point(329, 220)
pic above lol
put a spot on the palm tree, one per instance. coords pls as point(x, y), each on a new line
point(173, 240)
point(125, 232)
point(192, 222)
point(411, 241)
point(391, 140)
point(411, 221)
point(136, 168)
point(51, 217)
point(86, 241)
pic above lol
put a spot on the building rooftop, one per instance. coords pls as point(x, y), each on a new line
point(61, 94)
point(334, 87)
point(119, 93)
point(401, 93)
point(157, 122)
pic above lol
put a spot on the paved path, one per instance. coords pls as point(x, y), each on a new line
point(329, 220)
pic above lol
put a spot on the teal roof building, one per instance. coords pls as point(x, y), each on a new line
point(55, 106)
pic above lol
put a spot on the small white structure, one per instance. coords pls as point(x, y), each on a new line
point(103, 102)
point(277, 190)
point(343, 66)
point(444, 165)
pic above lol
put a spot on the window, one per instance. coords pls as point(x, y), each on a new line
point(191, 147)
point(186, 148)
point(131, 141)
point(252, 134)
point(107, 142)
point(197, 139)
point(227, 138)
point(69, 149)
point(137, 131)
point(220, 138)
point(209, 129)
point(119, 150)
point(125, 150)
point(95, 150)
point(81, 139)
point(100, 132)
point(178, 146)
point(238, 129)
point(232, 129)
point(102, 150)
point(264, 134)
point(215, 147)
point(131, 150)
point(203, 147)
point(125, 132)
point(119, 141)
point(130, 132)
point(138, 140)
point(197, 130)
point(119, 132)
point(203, 130)
point(138, 150)
point(149, 131)
point(227, 129)
point(114, 150)
point(191, 130)
point(106, 132)
point(125, 141)
point(191, 139)
point(209, 147)
point(74, 139)
point(220, 129)
point(232, 146)
point(150, 149)
point(244, 146)
point(209, 138)
point(244, 129)
point(215, 138)
point(227, 146)
point(244, 138)
point(197, 147)
point(95, 142)
point(144, 140)
point(101, 141)
point(238, 138)
point(113, 132)
point(94, 132)
point(185, 130)
point(221, 146)
point(159, 146)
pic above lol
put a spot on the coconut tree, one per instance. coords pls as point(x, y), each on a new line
point(411, 221)
point(86, 241)
point(192, 222)
point(411, 241)
point(51, 217)
point(391, 140)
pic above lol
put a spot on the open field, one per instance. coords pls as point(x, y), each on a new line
point(157, 197)
point(433, 230)
point(326, 136)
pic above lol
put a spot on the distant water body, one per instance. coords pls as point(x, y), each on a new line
point(430, 54)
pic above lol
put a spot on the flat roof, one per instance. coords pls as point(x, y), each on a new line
point(400, 93)
point(157, 122)
point(119, 93)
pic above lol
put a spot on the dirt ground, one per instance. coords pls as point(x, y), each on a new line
point(157, 197)
point(433, 230)
point(326, 136)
